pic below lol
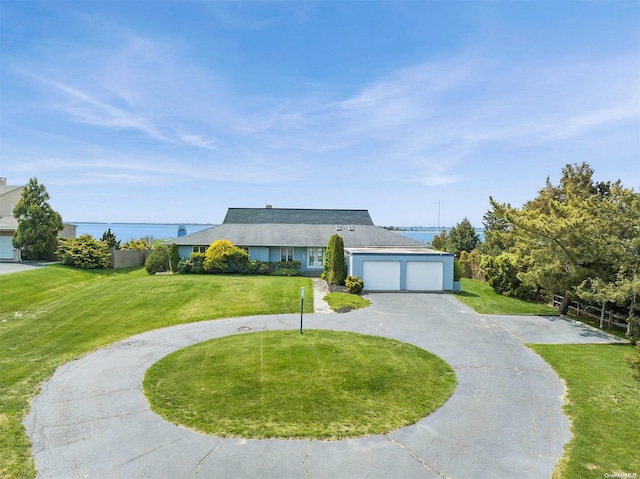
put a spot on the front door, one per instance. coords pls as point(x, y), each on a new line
point(316, 258)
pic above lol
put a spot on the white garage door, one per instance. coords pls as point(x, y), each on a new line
point(6, 247)
point(424, 276)
point(381, 275)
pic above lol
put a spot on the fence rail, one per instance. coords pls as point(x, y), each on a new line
point(610, 317)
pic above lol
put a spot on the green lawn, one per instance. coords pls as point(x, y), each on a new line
point(54, 314)
point(339, 301)
point(484, 300)
point(602, 400)
point(603, 403)
point(283, 384)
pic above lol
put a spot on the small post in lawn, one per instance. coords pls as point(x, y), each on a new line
point(301, 306)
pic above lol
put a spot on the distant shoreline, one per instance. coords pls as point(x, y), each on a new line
point(134, 223)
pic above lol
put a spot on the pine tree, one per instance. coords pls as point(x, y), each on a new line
point(38, 223)
point(111, 240)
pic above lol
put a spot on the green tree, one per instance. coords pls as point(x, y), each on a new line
point(336, 273)
point(617, 239)
point(570, 233)
point(497, 234)
point(174, 257)
point(111, 240)
point(439, 241)
point(38, 223)
point(462, 237)
point(84, 252)
point(223, 257)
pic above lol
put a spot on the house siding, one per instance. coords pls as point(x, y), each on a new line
point(260, 253)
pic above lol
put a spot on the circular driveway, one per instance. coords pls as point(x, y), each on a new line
point(505, 418)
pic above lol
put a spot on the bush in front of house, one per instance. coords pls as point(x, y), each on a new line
point(223, 257)
point(84, 252)
point(158, 260)
point(174, 257)
point(354, 284)
point(192, 265)
point(286, 272)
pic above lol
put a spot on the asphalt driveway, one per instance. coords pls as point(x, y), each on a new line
point(504, 420)
point(6, 268)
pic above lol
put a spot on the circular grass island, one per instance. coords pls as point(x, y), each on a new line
point(283, 384)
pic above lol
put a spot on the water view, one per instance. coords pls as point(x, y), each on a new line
point(128, 231)
point(155, 231)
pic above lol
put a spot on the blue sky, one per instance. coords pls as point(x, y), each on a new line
point(159, 111)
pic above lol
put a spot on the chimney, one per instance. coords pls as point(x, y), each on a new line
point(268, 207)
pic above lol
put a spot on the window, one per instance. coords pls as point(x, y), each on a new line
point(286, 254)
point(316, 258)
point(199, 249)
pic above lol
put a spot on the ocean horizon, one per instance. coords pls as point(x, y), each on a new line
point(132, 231)
point(166, 231)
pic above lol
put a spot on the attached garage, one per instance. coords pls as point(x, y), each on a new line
point(6, 248)
point(7, 253)
point(401, 269)
point(381, 275)
point(425, 276)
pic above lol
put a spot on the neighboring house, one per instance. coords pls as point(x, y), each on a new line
point(284, 234)
point(9, 197)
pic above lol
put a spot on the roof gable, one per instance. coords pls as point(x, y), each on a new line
point(297, 216)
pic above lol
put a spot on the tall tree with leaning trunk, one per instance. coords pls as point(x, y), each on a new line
point(38, 223)
point(572, 233)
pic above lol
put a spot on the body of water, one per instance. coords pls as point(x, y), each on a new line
point(128, 231)
point(155, 231)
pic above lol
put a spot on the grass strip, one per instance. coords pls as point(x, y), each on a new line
point(283, 384)
point(484, 300)
point(339, 301)
point(603, 405)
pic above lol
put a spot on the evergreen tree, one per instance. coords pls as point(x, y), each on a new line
point(174, 257)
point(38, 223)
point(462, 237)
point(337, 274)
point(334, 261)
point(439, 242)
point(111, 240)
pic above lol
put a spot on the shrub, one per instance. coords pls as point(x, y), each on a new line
point(184, 266)
point(354, 284)
point(224, 257)
point(459, 269)
point(286, 272)
point(174, 257)
point(197, 262)
point(158, 260)
point(84, 252)
point(265, 268)
point(136, 244)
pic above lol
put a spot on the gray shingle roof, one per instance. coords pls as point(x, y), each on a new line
point(297, 216)
point(304, 235)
